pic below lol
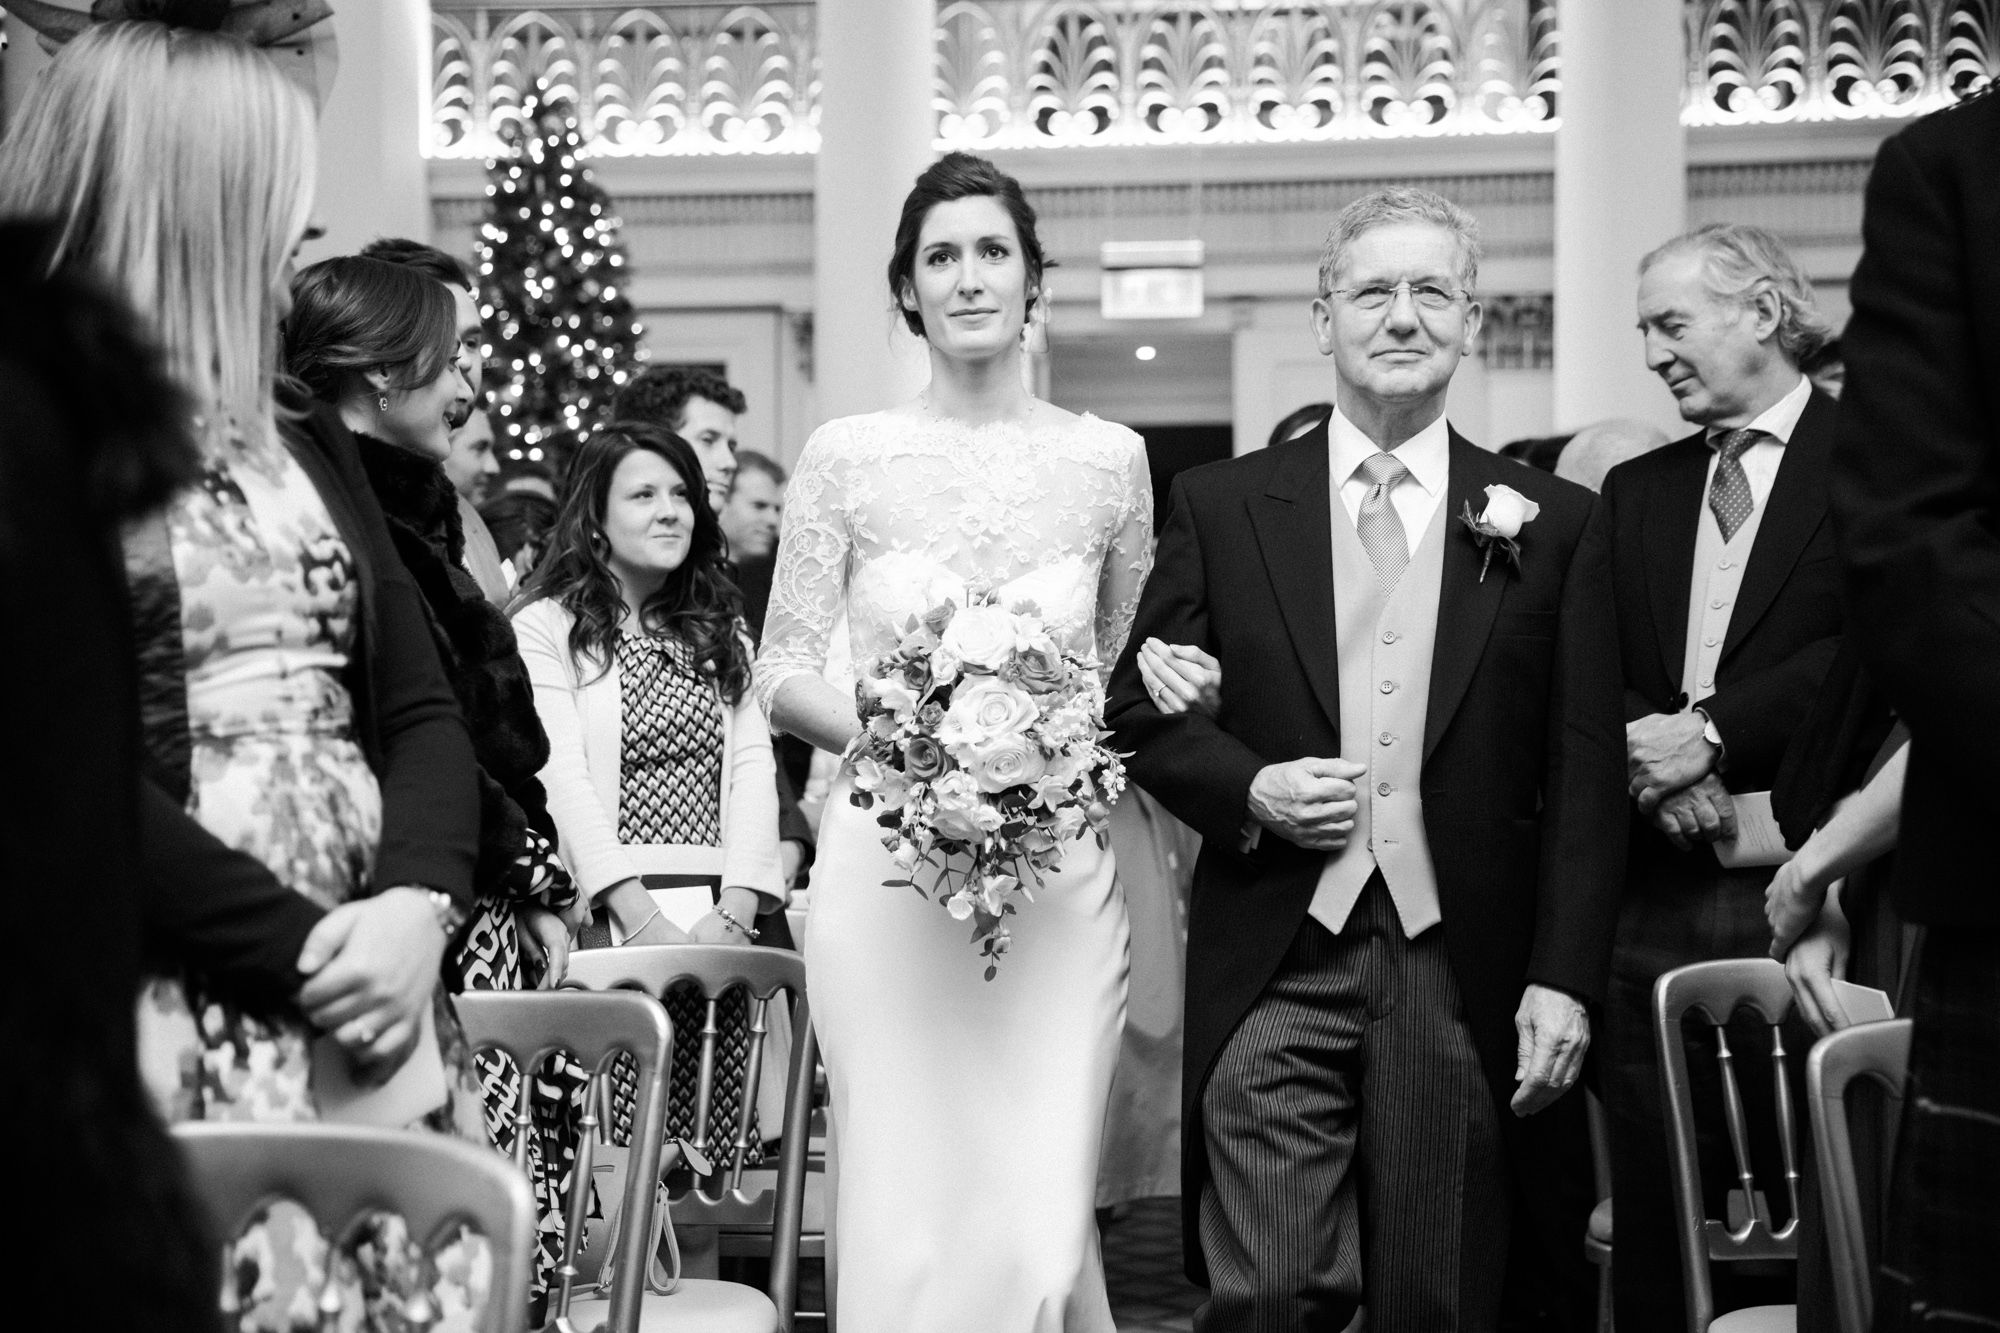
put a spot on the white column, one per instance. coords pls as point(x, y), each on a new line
point(372, 176)
point(876, 129)
point(1621, 189)
point(19, 64)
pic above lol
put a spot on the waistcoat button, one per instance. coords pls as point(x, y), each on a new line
point(1387, 739)
point(1390, 636)
point(1388, 687)
point(1383, 789)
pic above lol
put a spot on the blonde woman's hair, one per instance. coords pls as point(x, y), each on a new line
point(177, 166)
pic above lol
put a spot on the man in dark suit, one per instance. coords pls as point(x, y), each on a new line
point(1410, 807)
point(1728, 616)
point(1916, 492)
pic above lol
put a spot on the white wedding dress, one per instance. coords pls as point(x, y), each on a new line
point(966, 1115)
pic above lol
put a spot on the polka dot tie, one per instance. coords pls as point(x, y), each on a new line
point(1729, 496)
point(1379, 525)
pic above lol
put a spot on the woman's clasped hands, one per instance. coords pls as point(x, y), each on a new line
point(370, 967)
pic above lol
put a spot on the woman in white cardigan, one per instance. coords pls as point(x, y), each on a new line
point(660, 777)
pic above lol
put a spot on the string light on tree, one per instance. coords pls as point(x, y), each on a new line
point(569, 334)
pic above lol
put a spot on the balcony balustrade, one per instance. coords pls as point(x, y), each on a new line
point(678, 78)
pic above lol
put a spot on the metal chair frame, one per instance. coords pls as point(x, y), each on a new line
point(1880, 1051)
point(529, 1027)
point(720, 1201)
point(342, 1173)
point(1715, 991)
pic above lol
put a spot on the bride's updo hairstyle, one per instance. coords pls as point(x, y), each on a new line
point(960, 176)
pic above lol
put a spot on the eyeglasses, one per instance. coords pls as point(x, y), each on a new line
point(1377, 295)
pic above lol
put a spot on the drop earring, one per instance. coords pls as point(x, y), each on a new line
point(382, 403)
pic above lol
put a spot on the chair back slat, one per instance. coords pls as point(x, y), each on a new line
point(1734, 1117)
point(753, 1083)
point(720, 1200)
point(1880, 1051)
point(341, 1173)
point(597, 1029)
point(704, 1096)
point(1788, 1124)
point(1713, 992)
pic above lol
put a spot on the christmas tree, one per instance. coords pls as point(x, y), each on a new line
point(560, 331)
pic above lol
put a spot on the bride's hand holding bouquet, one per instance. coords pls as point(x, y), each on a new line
point(981, 744)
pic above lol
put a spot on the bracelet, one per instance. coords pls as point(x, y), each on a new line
point(642, 925)
point(729, 919)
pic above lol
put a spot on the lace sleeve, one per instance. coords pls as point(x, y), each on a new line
point(809, 584)
point(1127, 561)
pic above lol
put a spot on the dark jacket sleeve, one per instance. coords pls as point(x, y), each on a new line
point(1758, 715)
point(1916, 480)
point(217, 909)
point(1187, 762)
point(1583, 815)
point(430, 794)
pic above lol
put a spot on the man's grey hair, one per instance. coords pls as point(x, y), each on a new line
point(1386, 207)
point(1739, 260)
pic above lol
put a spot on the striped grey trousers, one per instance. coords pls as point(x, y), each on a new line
point(1353, 1145)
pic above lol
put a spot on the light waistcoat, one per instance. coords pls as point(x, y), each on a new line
point(1386, 642)
point(1718, 577)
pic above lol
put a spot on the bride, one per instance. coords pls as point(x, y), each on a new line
point(966, 1114)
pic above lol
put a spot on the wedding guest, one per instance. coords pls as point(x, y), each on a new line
point(1729, 614)
point(308, 808)
point(659, 772)
point(1593, 451)
point(96, 435)
point(529, 478)
point(699, 406)
point(299, 731)
point(520, 522)
point(357, 328)
point(471, 460)
point(1828, 370)
point(702, 408)
point(756, 503)
point(1836, 799)
point(1913, 490)
point(472, 465)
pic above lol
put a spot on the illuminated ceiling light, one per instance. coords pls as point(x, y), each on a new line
point(1146, 352)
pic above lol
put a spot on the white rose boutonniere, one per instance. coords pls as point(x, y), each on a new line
point(1507, 512)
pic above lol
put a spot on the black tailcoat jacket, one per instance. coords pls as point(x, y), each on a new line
point(1916, 492)
point(1523, 752)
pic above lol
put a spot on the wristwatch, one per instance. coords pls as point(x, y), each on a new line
point(1711, 735)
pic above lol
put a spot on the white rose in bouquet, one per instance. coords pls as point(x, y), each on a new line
point(1003, 762)
point(980, 636)
point(962, 812)
point(983, 710)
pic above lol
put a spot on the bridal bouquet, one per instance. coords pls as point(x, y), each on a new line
point(982, 743)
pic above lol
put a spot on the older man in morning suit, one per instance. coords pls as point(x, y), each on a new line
point(1728, 614)
point(1409, 795)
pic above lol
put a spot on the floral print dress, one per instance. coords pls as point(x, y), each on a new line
point(265, 593)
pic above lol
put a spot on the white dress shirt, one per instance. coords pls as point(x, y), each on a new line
point(1427, 455)
point(1760, 460)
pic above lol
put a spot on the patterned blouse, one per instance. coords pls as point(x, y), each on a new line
point(671, 746)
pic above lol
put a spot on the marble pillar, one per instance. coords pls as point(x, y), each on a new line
point(373, 180)
point(876, 127)
point(1621, 189)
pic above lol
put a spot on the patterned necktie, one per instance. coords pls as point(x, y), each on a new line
point(1380, 526)
point(1729, 495)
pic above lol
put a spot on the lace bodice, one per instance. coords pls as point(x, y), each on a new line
point(887, 512)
